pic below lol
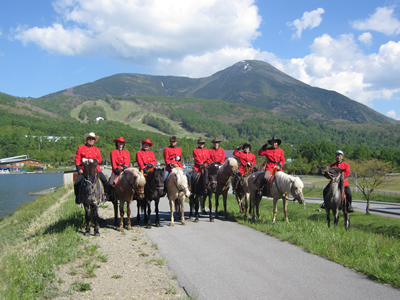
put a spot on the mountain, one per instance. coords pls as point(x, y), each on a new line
point(254, 83)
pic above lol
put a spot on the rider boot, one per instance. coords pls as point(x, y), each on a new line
point(165, 189)
point(76, 189)
point(262, 183)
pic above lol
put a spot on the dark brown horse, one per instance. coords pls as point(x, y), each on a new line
point(211, 188)
point(153, 190)
point(225, 173)
point(199, 190)
point(335, 199)
point(130, 186)
point(90, 193)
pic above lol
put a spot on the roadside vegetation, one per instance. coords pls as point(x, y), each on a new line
point(371, 246)
point(32, 248)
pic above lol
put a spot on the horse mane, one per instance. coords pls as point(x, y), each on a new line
point(139, 176)
point(91, 168)
point(285, 182)
point(230, 161)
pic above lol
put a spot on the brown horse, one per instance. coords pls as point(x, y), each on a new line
point(177, 191)
point(282, 186)
point(130, 186)
point(90, 193)
point(228, 169)
point(211, 188)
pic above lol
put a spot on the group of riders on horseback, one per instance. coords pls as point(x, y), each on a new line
point(120, 160)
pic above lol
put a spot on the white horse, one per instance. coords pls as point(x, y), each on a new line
point(283, 185)
point(177, 191)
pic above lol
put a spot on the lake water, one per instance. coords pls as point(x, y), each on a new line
point(14, 188)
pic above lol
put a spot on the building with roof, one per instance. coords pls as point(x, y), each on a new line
point(16, 163)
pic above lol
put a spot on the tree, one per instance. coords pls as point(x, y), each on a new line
point(369, 175)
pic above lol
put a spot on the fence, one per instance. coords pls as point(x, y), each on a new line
point(353, 190)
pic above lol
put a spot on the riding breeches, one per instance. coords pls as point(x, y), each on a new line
point(166, 173)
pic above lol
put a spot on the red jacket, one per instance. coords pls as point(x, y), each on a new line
point(244, 159)
point(217, 155)
point(200, 156)
point(119, 159)
point(88, 152)
point(170, 155)
point(274, 156)
point(145, 157)
point(346, 167)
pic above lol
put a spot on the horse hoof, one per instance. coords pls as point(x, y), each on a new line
point(212, 220)
point(97, 234)
point(184, 223)
point(87, 233)
point(129, 227)
point(171, 224)
point(148, 227)
point(196, 220)
point(158, 225)
point(120, 229)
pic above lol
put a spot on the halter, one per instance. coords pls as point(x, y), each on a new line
point(180, 189)
point(93, 184)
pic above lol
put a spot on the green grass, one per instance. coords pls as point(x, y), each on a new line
point(29, 262)
point(371, 246)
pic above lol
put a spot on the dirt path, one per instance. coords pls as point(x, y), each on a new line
point(134, 268)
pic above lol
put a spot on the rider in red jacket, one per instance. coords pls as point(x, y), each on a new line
point(120, 160)
point(346, 167)
point(247, 159)
point(217, 154)
point(145, 158)
point(87, 151)
point(201, 158)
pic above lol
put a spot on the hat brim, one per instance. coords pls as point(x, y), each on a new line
point(116, 141)
point(147, 142)
point(277, 140)
point(96, 138)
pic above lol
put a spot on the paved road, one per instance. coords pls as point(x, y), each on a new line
point(226, 260)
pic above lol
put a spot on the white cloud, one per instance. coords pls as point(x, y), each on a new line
point(338, 64)
point(155, 30)
point(365, 38)
point(382, 21)
point(309, 20)
point(393, 114)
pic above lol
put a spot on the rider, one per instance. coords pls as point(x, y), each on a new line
point(275, 159)
point(145, 158)
point(88, 151)
point(173, 158)
point(346, 167)
point(120, 160)
point(201, 158)
point(247, 159)
point(217, 154)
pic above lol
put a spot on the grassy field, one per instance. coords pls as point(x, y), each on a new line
point(136, 122)
point(371, 246)
point(32, 248)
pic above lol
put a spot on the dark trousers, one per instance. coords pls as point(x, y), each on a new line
point(80, 177)
point(194, 176)
point(347, 192)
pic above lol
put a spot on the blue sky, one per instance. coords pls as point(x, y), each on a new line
point(351, 47)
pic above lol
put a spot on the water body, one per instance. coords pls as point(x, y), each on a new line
point(14, 188)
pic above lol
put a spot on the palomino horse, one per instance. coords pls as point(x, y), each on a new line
point(211, 188)
point(281, 187)
point(90, 193)
point(177, 191)
point(130, 186)
point(240, 183)
point(335, 198)
point(199, 190)
point(228, 169)
point(153, 190)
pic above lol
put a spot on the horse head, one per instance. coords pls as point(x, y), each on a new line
point(297, 189)
point(212, 177)
point(180, 181)
point(158, 181)
point(137, 182)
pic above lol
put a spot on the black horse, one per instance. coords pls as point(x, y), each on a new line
point(334, 198)
point(153, 190)
point(211, 188)
point(90, 193)
point(199, 190)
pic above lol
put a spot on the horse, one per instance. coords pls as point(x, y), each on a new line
point(225, 173)
point(240, 184)
point(130, 186)
point(90, 193)
point(211, 188)
point(199, 190)
point(153, 190)
point(335, 198)
point(177, 191)
point(281, 187)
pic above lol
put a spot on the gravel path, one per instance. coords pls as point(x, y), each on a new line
point(134, 268)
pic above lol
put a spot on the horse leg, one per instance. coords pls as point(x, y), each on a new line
point(121, 214)
point(328, 219)
point(216, 205)
point(115, 203)
point(210, 206)
point(258, 206)
point(128, 215)
point(138, 205)
point(182, 205)
point(95, 210)
point(203, 204)
point(172, 208)
point(346, 219)
point(275, 210)
point(196, 208)
point(156, 201)
point(191, 204)
point(147, 218)
point(285, 201)
point(87, 219)
point(224, 196)
point(336, 216)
